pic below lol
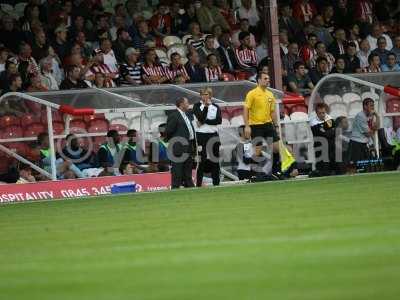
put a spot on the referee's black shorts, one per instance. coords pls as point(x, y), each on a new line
point(266, 131)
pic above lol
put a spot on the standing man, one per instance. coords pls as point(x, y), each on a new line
point(365, 124)
point(208, 116)
point(260, 117)
point(180, 136)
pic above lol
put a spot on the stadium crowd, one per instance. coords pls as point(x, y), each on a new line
point(52, 45)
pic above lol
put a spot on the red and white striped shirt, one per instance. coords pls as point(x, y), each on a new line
point(371, 70)
point(103, 69)
point(364, 11)
point(213, 74)
point(153, 70)
point(307, 53)
point(174, 73)
point(246, 58)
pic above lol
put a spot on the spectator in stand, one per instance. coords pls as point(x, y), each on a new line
point(338, 46)
point(3, 58)
point(354, 36)
point(327, 15)
point(374, 64)
point(10, 36)
point(208, 15)
point(288, 23)
point(14, 84)
point(35, 84)
point(131, 70)
point(376, 33)
point(176, 72)
point(179, 20)
point(299, 81)
point(87, 48)
point(208, 49)
point(227, 12)
point(244, 27)
point(196, 37)
point(246, 56)
point(321, 52)
point(283, 42)
point(143, 36)
point(31, 16)
point(308, 51)
point(102, 23)
point(75, 153)
point(226, 53)
point(290, 59)
point(381, 50)
point(248, 10)
point(26, 63)
point(40, 46)
point(351, 60)
point(160, 22)
point(109, 153)
point(364, 12)
point(343, 13)
point(213, 69)
point(109, 58)
point(99, 81)
point(193, 68)
point(365, 124)
point(73, 79)
point(120, 12)
point(11, 69)
point(60, 44)
point(396, 48)
point(119, 24)
point(364, 53)
point(152, 71)
point(320, 31)
point(321, 70)
point(25, 174)
point(262, 50)
point(217, 33)
point(100, 67)
point(304, 11)
point(340, 66)
point(391, 65)
point(74, 56)
point(121, 44)
point(46, 74)
point(78, 25)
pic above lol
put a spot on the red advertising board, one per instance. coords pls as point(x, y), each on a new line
point(81, 187)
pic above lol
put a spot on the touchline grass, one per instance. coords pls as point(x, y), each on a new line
point(333, 238)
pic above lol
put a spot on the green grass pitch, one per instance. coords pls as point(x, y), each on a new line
point(332, 238)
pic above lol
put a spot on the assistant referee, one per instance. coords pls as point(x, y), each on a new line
point(260, 117)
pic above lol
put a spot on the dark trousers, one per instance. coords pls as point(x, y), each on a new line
point(181, 172)
point(206, 165)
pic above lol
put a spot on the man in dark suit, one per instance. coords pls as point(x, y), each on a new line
point(180, 136)
point(193, 68)
point(290, 24)
point(227, 53)
point(338, 46)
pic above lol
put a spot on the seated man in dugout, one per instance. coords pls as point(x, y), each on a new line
point(158, 160)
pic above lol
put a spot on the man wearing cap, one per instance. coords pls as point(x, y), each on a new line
point(60, 44)
point(131, 70)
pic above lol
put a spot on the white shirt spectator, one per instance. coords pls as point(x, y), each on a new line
point(373, 42)
point(363, 58)
point(49, 81)
point(111, 61)
point(251, 14)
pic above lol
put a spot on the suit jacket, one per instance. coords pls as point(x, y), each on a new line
point(334, 49)
point(196, 74)
point(224, 59)
point(292, 26)
point(176, 128)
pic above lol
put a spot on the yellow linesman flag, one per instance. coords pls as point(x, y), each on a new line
point(287, 158)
